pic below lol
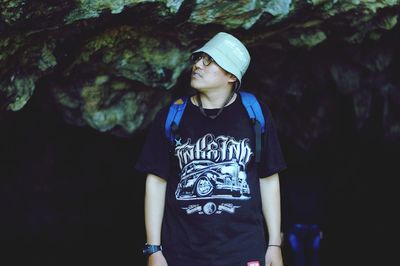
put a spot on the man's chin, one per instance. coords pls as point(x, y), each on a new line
point(194, 85)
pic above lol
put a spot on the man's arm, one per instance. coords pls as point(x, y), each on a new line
point(271, 207)
point(154, 202)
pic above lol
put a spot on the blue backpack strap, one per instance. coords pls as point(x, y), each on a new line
point(255, 113)
point(253, 108)
point(174, 116)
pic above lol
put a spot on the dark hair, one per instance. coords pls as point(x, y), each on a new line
point(236, 85)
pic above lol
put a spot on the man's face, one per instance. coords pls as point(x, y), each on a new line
point(208, 75)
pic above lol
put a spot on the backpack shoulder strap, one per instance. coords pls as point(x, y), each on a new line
point(253, 108)
point(255, 113)
point(174, 116)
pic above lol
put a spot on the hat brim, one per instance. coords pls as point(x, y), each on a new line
point(222, 60)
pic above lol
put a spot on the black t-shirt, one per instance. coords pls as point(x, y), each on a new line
point(213, 213)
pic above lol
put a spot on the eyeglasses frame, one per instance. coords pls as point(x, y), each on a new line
point(206, 59)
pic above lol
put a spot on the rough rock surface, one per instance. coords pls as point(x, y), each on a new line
point(112, 64)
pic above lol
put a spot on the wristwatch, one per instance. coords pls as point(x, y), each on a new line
point(150, 249)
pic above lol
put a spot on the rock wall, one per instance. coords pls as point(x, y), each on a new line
point(113, 64)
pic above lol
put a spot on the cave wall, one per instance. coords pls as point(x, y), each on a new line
point(112, 64)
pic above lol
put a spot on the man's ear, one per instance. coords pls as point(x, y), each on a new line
point(232, 78)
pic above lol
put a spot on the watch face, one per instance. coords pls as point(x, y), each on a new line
point(150, 249)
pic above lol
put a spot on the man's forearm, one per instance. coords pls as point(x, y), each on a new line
point(271, 206)
point(154, 202)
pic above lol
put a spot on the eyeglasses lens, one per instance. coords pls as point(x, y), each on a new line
point(206, 59)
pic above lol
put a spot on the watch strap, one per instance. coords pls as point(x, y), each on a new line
point(150, 249)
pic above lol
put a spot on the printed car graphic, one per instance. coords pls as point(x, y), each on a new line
point(205, 178)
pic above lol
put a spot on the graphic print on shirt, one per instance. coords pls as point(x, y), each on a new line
point(213, 168)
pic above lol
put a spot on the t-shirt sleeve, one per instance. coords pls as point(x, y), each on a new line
point(154, 157)
point(272, 159)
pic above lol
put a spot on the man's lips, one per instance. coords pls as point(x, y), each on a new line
point(196, 74)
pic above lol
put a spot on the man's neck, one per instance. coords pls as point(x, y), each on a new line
point(215, 99)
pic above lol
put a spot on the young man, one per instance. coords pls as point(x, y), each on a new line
point(207, 200)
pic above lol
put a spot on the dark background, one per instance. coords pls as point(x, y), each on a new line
point(70, 195)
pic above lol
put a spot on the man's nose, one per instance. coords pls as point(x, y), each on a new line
point(199, 63)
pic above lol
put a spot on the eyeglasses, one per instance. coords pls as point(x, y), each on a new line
point(207, 60)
